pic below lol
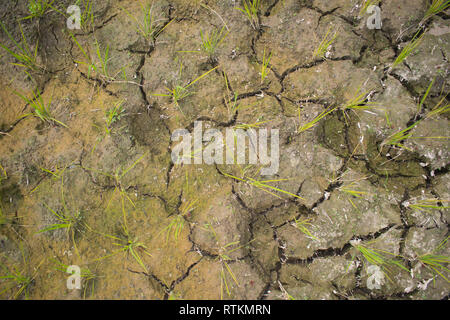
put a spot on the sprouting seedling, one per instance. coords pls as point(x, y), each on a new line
point(438, 109)
point(303, 225)
point(87, 15)
point(350, 190)
point(427, 205)
point(436, 263)
point(397, 138)
point(263, 185)
point(38, 8)
point(178, 93)
point(366, 4)
point(327, 41)
point(407, 50)
point(25, 56)
point(119, 187)
point(100, 67)
point(436, 7)
point(315, 121)
point(86, 274)
point(41, 110)
point(380, 258)
point(20, 278)
point(3, 174)
point(113, 115)
point(264, 66)
point(232, 104)
point(128, 245)
point(70, 221)
point(211, 41)
point(148, 27)
point(250, 10)
point(176, 225)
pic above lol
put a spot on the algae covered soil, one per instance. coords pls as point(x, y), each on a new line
point(92, 184)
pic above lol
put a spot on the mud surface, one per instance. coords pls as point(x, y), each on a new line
point(119, 186)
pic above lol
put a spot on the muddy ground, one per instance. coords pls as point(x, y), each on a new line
point(234, 236)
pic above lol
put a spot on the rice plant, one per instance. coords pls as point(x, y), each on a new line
point(436, 7)
point(263, 185)
point(86, 274)
point(397, 139)
point(232, 104)
point(68, 220)
point(315, 121)
point(148, 27)
point(176, 224)
point(101, 66)
point(303, 225)
point(128, 245)
point(427, 205)
point(407, 50)
point(321, 51)
point(25, 56)
point(38, 8)
point(264, 66)
point(210, 42)
point(180, 92)
point(87, 14)
point(437, 264)
point(112, 115)
point(352, 192)
point(250, 10)
point(380, 258)
point(19, 278)
point(119, 187)
point(41, 109)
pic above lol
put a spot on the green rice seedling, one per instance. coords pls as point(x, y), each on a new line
point(38, 8)
point(263, 185)
point(427, 205)
point(264, 66)
point(86, 274)
point(87, 15)
point(70, 221)
point(100, 67)
point(397, 138)
point(176, 225)
point(41, 110)
point(407, 50)
point(349, 190)
point(313, 122)
point(327, 41)
point(3, 174)
point(179, 92)
point(437, 264)
point(250, 10)
point(128, 245)
point(380, 258)
point(302, 225)
point(26, 57)
point(210, 42)
point(366, 4)
point(232, 104)
point(19, 278)
point(436, 7)
point(112, 115)
point(119, 187)
point(148, 27)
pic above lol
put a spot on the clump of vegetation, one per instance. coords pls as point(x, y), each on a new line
point(41, 109)
point(437, 264)
point(148, 26)
point(315, 121)
point(366, 4)
point(210, 42)
point(264, 66)
point(176, 224)
point(381, 258)
point(321, 51)
point(180, 92)
point(407, 50)
point(303, 225)
point(25, 56)
point(38, 8)
point(436, 7)
point(250, 10)
point(19, 278)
